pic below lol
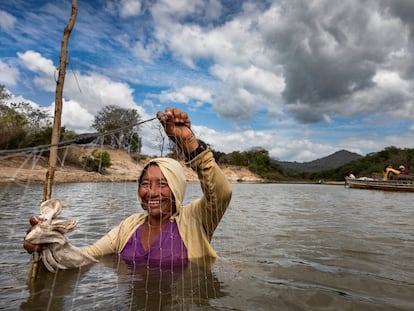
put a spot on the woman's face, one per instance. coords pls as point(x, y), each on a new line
point(156, 196)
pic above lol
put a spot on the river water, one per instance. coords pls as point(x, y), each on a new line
point(281, 247)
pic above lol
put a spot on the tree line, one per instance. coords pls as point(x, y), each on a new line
point(256, 159)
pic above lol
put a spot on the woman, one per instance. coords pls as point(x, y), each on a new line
point(168, 232)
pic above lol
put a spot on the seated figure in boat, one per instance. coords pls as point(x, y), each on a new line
point(393, 174)
point(405, 174)
point(403, 170)
point(390, 173)
point(351, 175)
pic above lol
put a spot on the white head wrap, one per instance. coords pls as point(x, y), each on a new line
point(174, 174)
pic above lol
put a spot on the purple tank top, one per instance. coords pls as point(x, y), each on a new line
point(168, 249)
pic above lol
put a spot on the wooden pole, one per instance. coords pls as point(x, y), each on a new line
point(47, 189)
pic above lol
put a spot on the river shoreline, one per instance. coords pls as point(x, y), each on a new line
point(24, 168)
point(28, 169)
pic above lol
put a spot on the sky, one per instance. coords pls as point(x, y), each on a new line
point(299, 78)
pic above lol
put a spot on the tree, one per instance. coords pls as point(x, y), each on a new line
point(12, 127)
point(261, 164)
point(21, 122)
point(3, 94)
point(122, 125)
point(98, 161)
point(218, 155)
point(37, 118)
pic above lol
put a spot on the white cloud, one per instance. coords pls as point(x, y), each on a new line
point(387, 79)
point(146, 53)
point(7, 21)
point(280, 144)
point(124, 8)
point(238, 58)
point(86, 94)
point(185, 95)
point(130, 8)
point(8, 74)
point(96, 91)
point(318, 61)
point(43, 68)
point(179, 8)
point(35, 62)
point(76, 117)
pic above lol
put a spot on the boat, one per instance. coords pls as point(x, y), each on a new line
point(379, 184)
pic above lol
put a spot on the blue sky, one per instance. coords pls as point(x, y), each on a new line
point(300, 78)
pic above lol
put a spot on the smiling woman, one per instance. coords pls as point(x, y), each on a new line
point(158, 199)
point(169, 233)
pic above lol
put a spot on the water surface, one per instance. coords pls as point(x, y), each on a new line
point(281, 247)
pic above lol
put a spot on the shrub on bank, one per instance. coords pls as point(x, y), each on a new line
point(98, 161)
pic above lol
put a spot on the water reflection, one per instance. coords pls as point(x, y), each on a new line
point(50, 291)
point(284, 247)
point(114, 285)
point(159, 287)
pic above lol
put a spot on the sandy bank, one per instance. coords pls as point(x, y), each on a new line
point(24, 168)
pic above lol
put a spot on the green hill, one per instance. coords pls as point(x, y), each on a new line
point(371, 165)
point(332, 161)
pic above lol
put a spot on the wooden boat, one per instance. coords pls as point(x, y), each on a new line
point(378, 184)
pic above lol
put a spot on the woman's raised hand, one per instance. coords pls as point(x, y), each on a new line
point(177, 126)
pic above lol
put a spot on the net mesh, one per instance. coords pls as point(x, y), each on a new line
point(98, 206)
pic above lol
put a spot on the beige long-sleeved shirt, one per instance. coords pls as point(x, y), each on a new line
point(196, 221)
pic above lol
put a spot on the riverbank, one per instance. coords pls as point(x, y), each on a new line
point(27, 168)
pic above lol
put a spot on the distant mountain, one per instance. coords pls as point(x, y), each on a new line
point(332, 161)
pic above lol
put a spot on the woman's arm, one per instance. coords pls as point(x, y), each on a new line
point(114, 241)
point(216, 189)
point(104, 246)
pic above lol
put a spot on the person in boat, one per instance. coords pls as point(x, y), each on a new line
point(405, 174)
point(351, 175)
point(403, 170)
point(167, 232)
point(390, 173)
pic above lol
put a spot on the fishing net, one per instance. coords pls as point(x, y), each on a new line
point(98, 201)
point(280, 246)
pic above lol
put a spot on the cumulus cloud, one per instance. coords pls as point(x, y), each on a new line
point(330, 51)
point(319, 56)
point(45, 72)
point(86, 93)
point(95, 91)
point(35, 62)
point(308, 62)
point(76, 117)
